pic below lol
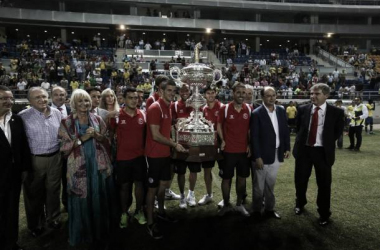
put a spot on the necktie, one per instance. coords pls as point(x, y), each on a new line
point(60, 109)
point(313, 127)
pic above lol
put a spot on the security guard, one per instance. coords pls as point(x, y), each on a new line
point(358, 114)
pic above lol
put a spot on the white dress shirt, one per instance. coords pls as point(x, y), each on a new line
point(63, 111)
point(273, 118)
point(321, 123)
point(6, 127)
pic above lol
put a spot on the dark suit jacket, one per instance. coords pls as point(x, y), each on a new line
point(14, 158)
point(263, 136)
point(68, 110)
point(332, 129)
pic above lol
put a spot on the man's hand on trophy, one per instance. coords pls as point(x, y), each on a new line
point(180, 148)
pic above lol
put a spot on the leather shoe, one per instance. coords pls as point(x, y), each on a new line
point(323, 222)
point(298, 210)
point(36, 232)
point(272, 214)
point(55, 225)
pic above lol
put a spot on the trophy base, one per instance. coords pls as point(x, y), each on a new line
point(199, 154)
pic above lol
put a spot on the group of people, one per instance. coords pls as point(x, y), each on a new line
point(102, 152)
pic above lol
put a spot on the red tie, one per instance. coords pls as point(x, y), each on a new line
point(313, 127)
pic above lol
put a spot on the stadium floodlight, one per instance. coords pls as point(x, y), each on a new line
point(122, 26)
point(208, 30)
point(329, 34)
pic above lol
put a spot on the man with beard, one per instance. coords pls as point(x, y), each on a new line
point(233, 130)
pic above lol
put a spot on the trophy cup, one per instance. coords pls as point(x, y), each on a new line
point(195, 133)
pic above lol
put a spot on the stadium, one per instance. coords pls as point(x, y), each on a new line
point(289, 45)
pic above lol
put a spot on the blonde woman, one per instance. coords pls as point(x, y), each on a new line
point(88, 172)
point(109, 101)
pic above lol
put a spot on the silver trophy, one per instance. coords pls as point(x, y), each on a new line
point(195, 132)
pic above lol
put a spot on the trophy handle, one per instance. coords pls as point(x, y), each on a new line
point(177, 70)
point(214, 74)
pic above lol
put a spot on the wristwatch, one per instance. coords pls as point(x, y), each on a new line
point(79, 142)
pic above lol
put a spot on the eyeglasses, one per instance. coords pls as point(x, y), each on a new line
point(4, 99)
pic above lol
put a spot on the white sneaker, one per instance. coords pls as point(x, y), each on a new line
point(205, 199)
point(182, 203)
point(241, 209)
point(191, 200)
point(170, 195)
point(156, 204)
point(221, 204)
point(224, 210)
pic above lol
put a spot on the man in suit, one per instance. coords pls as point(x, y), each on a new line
point(58, 98)
point(270, 142)
point(95, 95)
point(319, 125)
point(15, 159)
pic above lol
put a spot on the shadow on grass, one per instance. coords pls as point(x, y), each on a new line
point(355, 221)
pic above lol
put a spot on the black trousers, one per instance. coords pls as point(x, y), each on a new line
point(355, 132)
point(9, 212)
point(314, 156)
point(340, 141)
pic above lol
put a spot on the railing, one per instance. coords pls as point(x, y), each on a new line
point(188, 54)
point(343, 2)
point(333, 59)
point(226, 95)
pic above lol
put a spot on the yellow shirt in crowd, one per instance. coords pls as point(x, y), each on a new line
point(102, 65)
point(74, 85)
point(67, 69)
point(291, 112)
